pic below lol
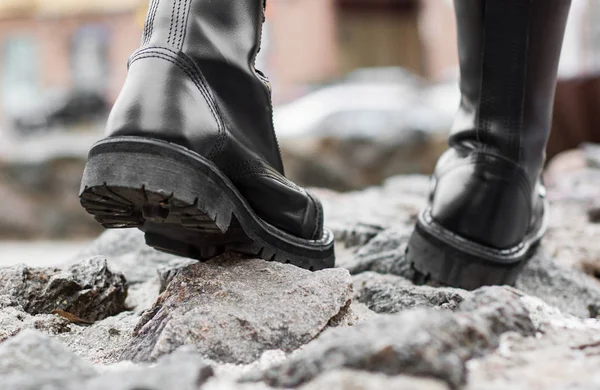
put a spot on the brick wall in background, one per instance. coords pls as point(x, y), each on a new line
point(49, 42)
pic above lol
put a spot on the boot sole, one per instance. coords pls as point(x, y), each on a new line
point(185, 205)
point(440, 255)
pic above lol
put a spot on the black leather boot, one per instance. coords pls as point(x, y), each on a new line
point(191, 157)
point(487, 211)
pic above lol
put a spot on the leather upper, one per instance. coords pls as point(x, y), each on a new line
point(487, 186)
point(485, 197)
point(193, 82)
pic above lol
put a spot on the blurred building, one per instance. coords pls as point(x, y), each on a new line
point(52, 47)
point(310, 41)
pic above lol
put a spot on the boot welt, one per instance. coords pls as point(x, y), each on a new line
point(439, 254)
point(185, 205)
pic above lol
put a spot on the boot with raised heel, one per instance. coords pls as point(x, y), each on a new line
point(191, 156)
point(487, 210)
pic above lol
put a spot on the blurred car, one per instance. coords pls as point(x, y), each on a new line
point(388, 75)
point(63, 111)
point(379, 103)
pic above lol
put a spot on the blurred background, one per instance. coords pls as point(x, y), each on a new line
point(363, 90)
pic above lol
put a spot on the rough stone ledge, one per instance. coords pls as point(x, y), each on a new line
point(421, 342)
point(234, 309)
point(88, 290)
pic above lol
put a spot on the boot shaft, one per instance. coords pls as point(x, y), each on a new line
point(201, 53)
point(223, 31)
point(509, 52)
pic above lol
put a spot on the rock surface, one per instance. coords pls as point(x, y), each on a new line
point(32, 360)
point(234, 309)
point(32, 351)
point(325, 330)
point(88, 290)
point(417, 342)
point(14, 319)
point(391, 294)
point(359, 380)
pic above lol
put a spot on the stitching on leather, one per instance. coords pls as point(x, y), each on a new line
point(147, 24)
point(318, 216)
point(187, 16)
point(177, 28)
point(217, 148)
point(477, 155)
point(171, 24)
point(491, 160)
point(182, 66)
point(193, 69)
point(259, 171)
point(148, 53)
point(250, 171)
point(150, 22)
point(183, 27)
point(242, 164)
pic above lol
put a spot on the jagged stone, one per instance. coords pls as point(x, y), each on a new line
point(32, 352)
point(104, 341)
point(88, 289)
point(385, 254)
point(421, 342)
point(391, 294)
point(147, 270)
point(358, 380)
point(13, 319)
point(126, 252)
point(564, 354)
point(166, 272)
point(357, 217)
point(557, 359)
point(233, 309)
point(569, 289)
point(182, 370)
point(33, 367)
point(355, 313)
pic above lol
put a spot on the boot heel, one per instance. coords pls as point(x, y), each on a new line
point(437, 260)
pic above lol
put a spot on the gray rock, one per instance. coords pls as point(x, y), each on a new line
point(359, 380)
point(234, 309)
point(167, 271)
point(37, 362)
point(385, 254)
point(391, 294)
point(88, 289)
point(141, 296)
point(104, 341)
point(569, 289)
point(555, 360)
point(355, 313)
point(127, 252)
point(32, 352)
point(182, 370)
point(421, 342)
point(147, 270)
point(548, 318)
point(13, 319)
point(356, 217)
